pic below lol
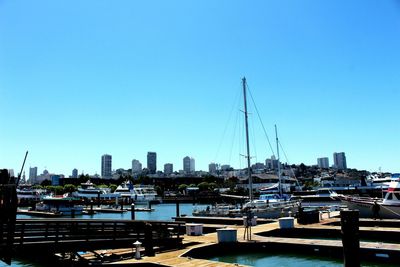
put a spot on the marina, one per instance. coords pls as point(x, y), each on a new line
point(320, 241)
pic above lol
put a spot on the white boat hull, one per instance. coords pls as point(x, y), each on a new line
point(366, 211)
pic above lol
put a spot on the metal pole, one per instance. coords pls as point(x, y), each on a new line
point(279, 163)
point(22, 168)
point(247, 141)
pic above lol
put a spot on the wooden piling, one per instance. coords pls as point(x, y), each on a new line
point(148, 244)
point(91, 206)
point(350, 237)
point(177, 207)
point(132, 211)
point(98, 199)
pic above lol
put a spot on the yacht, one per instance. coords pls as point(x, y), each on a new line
point(319, 197)
point(89, 191)
point(137, 193)
point(28, 195)
point(388, 207)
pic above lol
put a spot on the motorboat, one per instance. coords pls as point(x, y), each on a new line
point(386, 208)
point(218, 210)
point(137, 193)
point(63, 205)
point(319, 197)
point(27, 195)
point(89, 191)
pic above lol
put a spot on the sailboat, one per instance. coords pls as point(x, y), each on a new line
point(274, 207)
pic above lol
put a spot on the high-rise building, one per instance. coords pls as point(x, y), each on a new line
point(168, 168)
point(339, 161)
point(258, 166)
point(188, 164)
point(212, 168)
point(32, 175)
point(271, 163)
point(74, 173)
point(152, 162)
point(192, 165)
point(225, 167)
point(323, 163)
point(106, 164)
point(136, 167)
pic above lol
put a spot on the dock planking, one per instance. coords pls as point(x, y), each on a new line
point(195, 245)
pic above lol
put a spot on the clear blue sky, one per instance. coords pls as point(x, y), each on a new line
point(79, 79)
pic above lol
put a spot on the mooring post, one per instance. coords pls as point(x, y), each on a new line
point(98, 199)
point(132, 211)
point(177, 207)
point(350, 237)
point(91, 206)
point(149, 205)
point(122, 206)
point(148, 237)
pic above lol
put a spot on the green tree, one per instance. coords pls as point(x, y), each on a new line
point(159, 190)
point(182, 187)
point(113, 187)
point(83, 178)
point(203, 186)
point(212, 186)
point(57, 190)
point(209, 178)
point(69, 188)
point(45, 183)
point(103, 186)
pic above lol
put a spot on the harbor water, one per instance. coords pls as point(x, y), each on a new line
point(285, 260)
point(160, 212)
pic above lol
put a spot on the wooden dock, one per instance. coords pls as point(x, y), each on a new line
point(194, 246)
point(39, 213)
point(68, 235)
point(114, 210)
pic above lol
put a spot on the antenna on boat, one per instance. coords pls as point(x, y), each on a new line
point(279, 163)
point(247, 141)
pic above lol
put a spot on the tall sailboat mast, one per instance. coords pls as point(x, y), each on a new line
point(279, 163)
point(247, 141)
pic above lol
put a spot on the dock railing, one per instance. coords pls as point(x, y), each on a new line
point(66, 235)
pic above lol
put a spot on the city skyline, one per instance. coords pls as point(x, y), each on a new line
point(81, 79)
point(188, 166)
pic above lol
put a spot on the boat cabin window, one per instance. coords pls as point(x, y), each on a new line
point(397, 196)
point(390, 196)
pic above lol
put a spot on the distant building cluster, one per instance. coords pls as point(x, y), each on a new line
point(339, 161)
point(188, 169)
